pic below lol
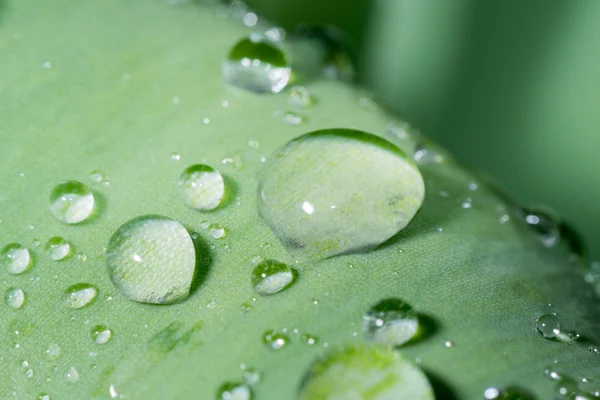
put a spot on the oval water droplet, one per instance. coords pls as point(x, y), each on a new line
point(370, 192)
point(96, 176)
point(217, 231)
point(15, 298)
point(299, 97)
point(71, 202)
point(292, 118)
point(234, 391)
point(101, 334)
point(544, 223)
point(201, 187)
point(390, 321)
point(365, 372)
point(79, 295)
point(270, 277)
point(151, 259)
point(309, 339)
point(257, 65)
point(58, 248)
point(275, 341)
point(16, 258)
point(548, 326)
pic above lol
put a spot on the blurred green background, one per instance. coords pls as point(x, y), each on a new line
point(511, 87)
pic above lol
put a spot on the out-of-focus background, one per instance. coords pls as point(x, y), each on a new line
point(511, 87)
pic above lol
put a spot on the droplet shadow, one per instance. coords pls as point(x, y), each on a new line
point(441, 389)
point(203, 261)
point(428, 326)
point(232, 190)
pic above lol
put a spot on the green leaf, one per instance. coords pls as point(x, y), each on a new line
point(117, 87)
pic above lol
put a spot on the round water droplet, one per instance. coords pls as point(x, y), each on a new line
point(548, 326)
point(299, 96)
point(72, 375)
point(58, 248)
point(16, 258)
point(151, 259)
point(391, 321)
point(217, 231)
point(365, 373)
point(544, 223)
point(275, 341)
point(101, 334)
point(251, 376)
point(201, 187)
point(234, 391)
point(96, 176)
point(370, 192)
point(493, 393)
point(15, 298)
point(309, 339)
point(270, 277)
point(71, 202)
point(79, 295)
point(257, 65)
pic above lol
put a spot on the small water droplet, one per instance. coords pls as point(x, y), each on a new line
point(151, 259)
point(270, 277)
point(250, 19)
point(548, 326)
point(544, 223)
point(29, 373)
point(101, 334)
point(390, 321)
point(47, 65)
point(53, 351)
point(72, 375)
point(58, 248)
point(299, 97)
point(71, 202)
point(201, 187)
point(44, 396)
point(96, 176)
point(251, 376)
point(448, 344)
point(17, 258)
point(275, 341)
point(309, 339)
point(234, 391)
point(79, 295)
point(292, 118)
point(15, 298)
point(257, 65)
point(371, 191)
point(494, 393)
point(175, 100)
point(217, 231)
point(175, 156)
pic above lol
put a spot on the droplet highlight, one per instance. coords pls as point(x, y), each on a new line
point(270, 277)
point(71, 202)
point(275, 341)
point(544, 223)
point(201, 187)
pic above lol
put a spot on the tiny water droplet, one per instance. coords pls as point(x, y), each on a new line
point(71, 202)
point(448, 344)
point(390, 321)
point(201, 187)
point(96, 176)
point(234, 391)
point(53, 351)
point(270, 277)
point(101, 334)
point(257, 65)
point(299, 97)
point(58, 248)
point(44, 396)
point(427, 153)
point(175, 156)
point(16, 258)
point(72, 375)
point(309, 339)
point(251, 376)
point(371, 191)
point(152, 259)
point(217, 231)
point(79, 295)
point(15, 298)
point(493, 393)
point(275, 341)
point(548, 326)
point(292, 118)
point(544, 223)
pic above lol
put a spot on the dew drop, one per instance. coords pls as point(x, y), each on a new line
point(72, 375)
point(275, 341)
point(234, 391)
point(292, 118)
point(151, 259)
point(101, 334)
point(15, 298)
point(201, 187)
point(370, 192)
point(548, 326)
point(299, 97)
point(251, 376)
point(71, 202)
point(270, 277)
point(96, 176)
point(257, 65)
point(79, 295)
point(217, 231)
point(53, 351)
point(16, 258)
point(309, 339)
point(544, 223)
point(390, 321)
point(493, 393)
point(58, 248)
point(43, 396)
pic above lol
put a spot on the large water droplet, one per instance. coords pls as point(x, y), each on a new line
point(79, 295)
point(15, 298)
point(151, 259)
point(201, 187)
point(16, 258)
point(58, 248)
point(370, 192)
point(257, 65)
point(391, 321)
point(365, 373)
point(275, 341)
point(548, 326)
point(101, 334)
point(544, 223)
point(270, 277)
point(234, 391)
point(71, 202)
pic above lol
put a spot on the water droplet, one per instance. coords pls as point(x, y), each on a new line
point(365, 372)
point(292, 118)
point(43, 396)
point(47, 65)
point(175, 156)
point(72, 375)
point(299, 97)
point(151, 259)
point(448, 344)
point(565, 387)
point(551, 373)
point(201, 187)
point(270, 277)
point(390, 321)
point(71, 202)
point(234, 391)
point(15, 298)
point(544, 223)
point(53, 351)
point(16, 258)
point(217, 231)
point(309, 339)
point(370, 192)
point(548, 326)
point(79, 295)
point(493, 393)
point(275, 341)
point(96, 176)
point(257, 65)
point(251, 376)
point(427, 153)
point(58, 248)
point(101, 334)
